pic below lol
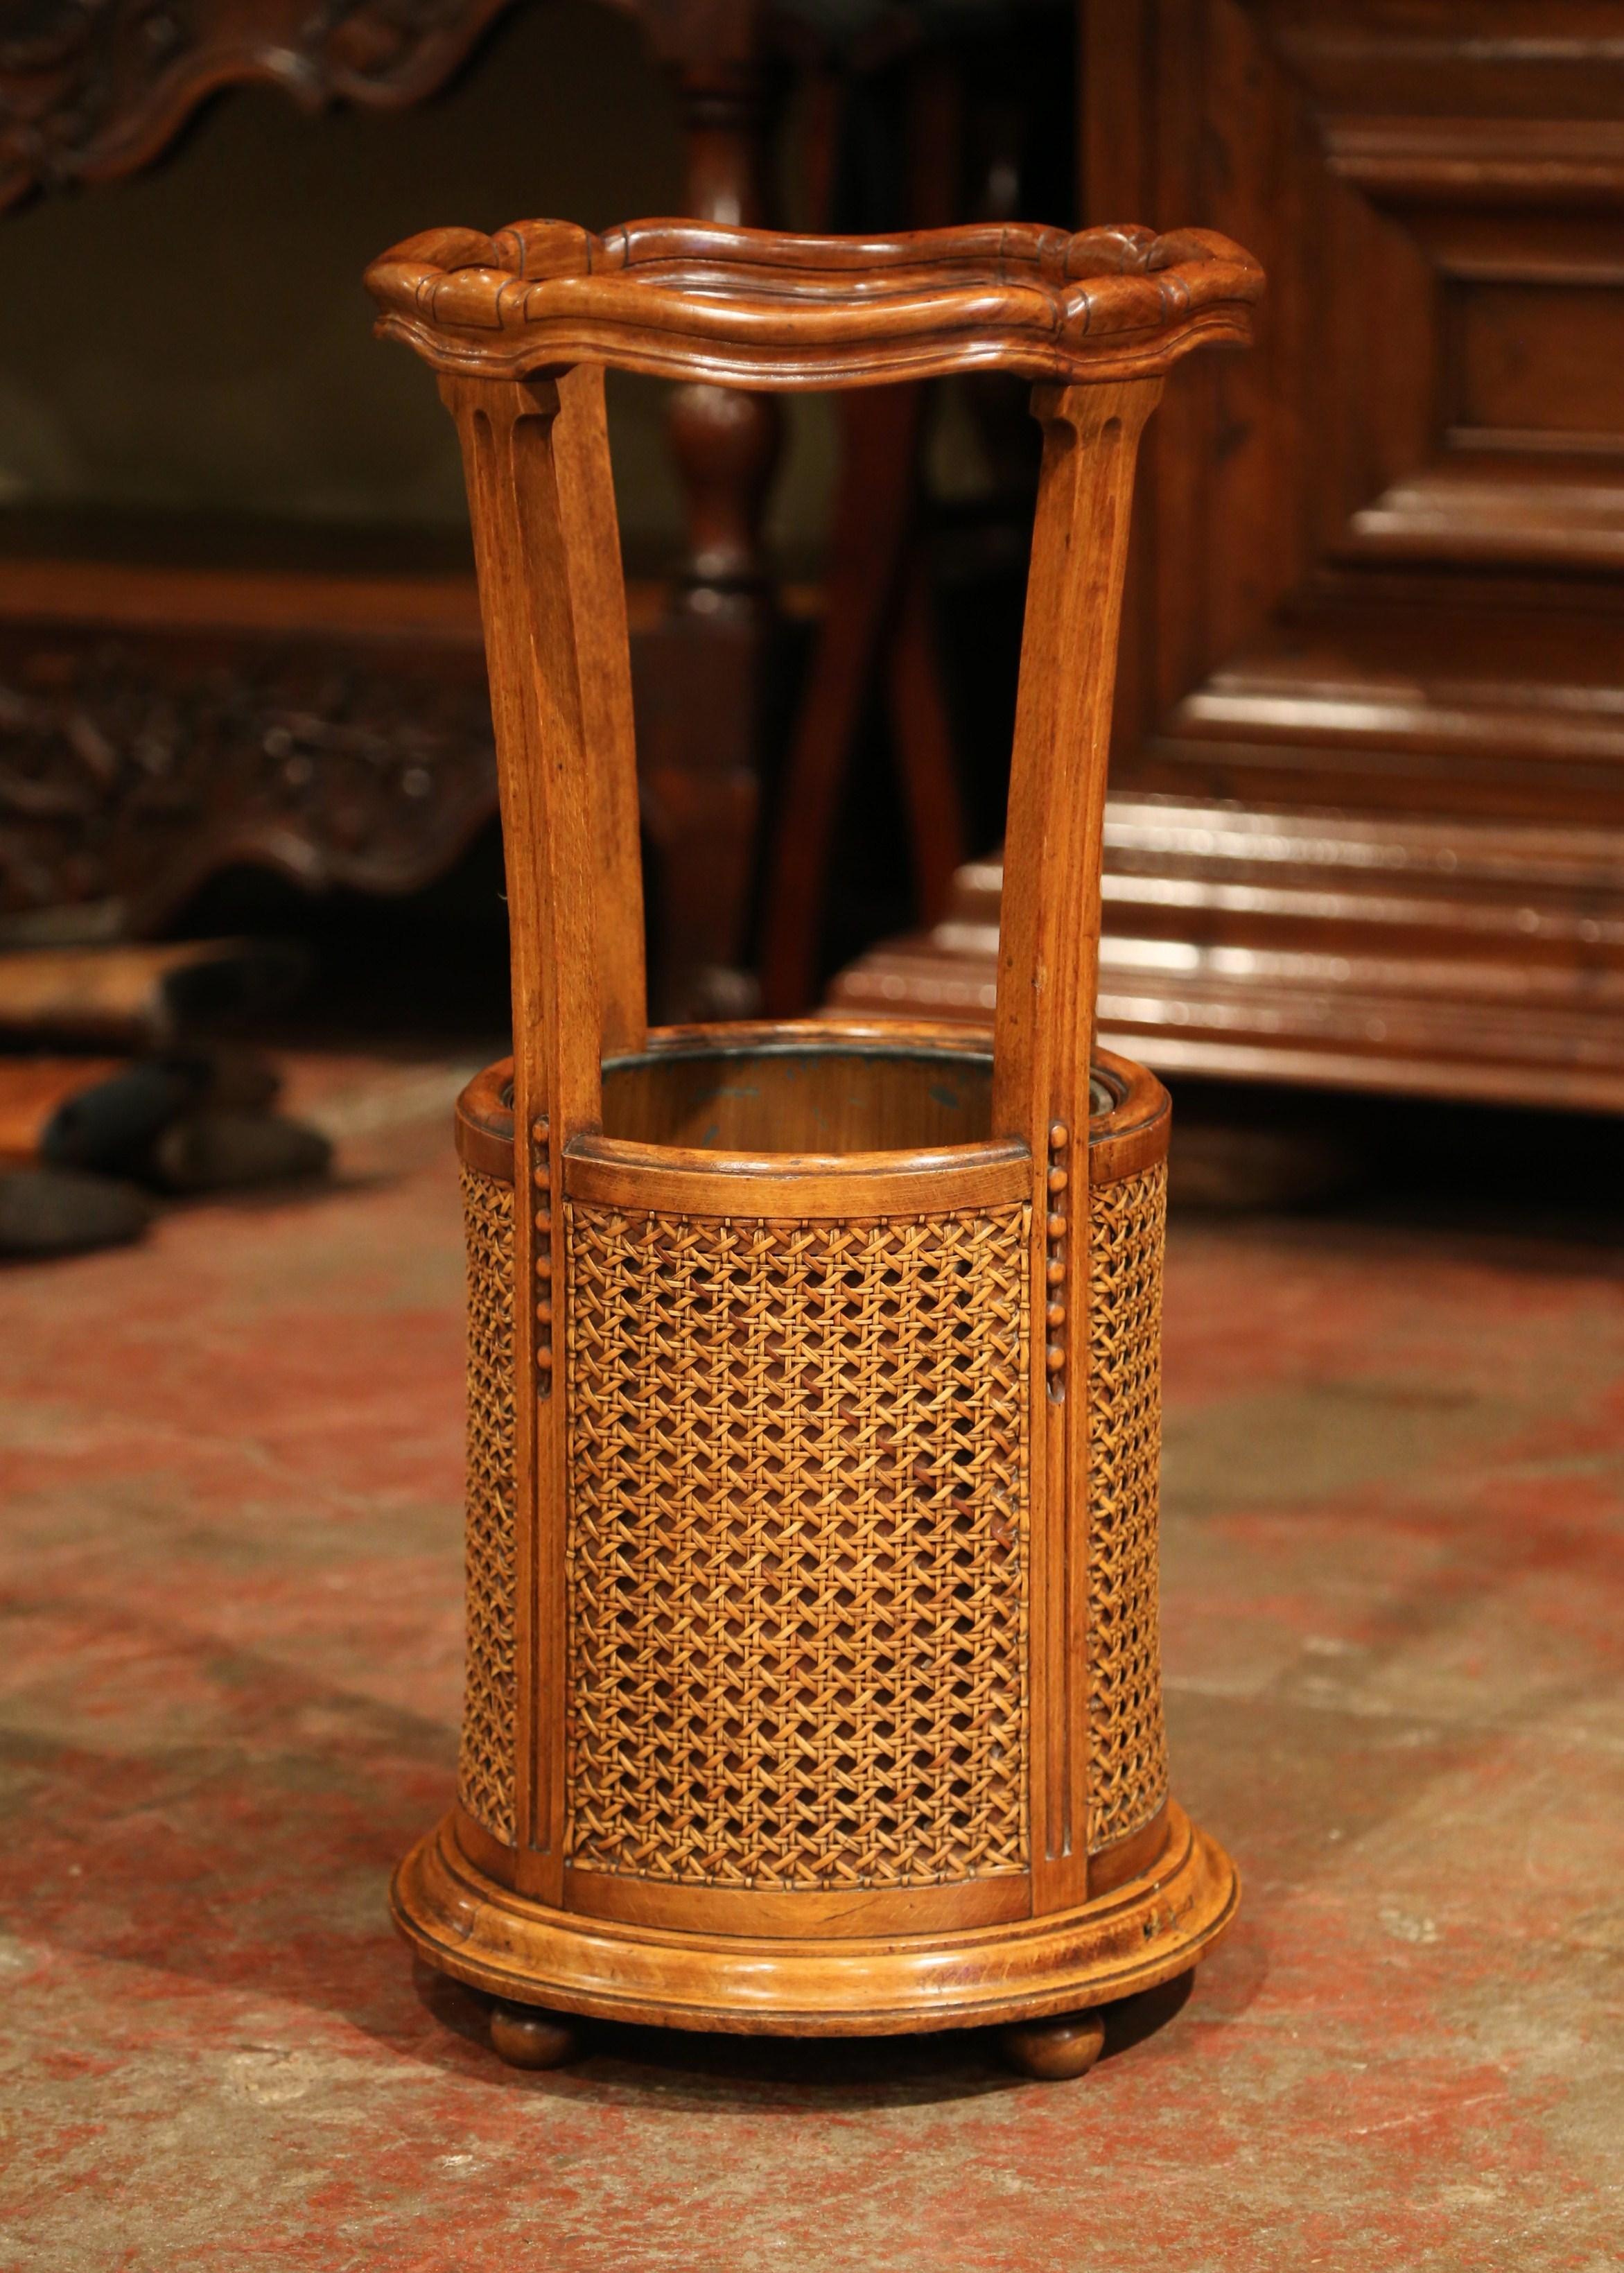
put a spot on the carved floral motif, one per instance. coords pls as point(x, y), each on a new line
point(131, 768)
point(92, 88)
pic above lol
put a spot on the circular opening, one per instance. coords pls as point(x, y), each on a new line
point(800, 1097)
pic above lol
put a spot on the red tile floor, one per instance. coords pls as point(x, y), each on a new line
point(1394, 1633)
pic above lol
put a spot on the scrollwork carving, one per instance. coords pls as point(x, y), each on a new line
point(92, 88)
point(131, 768)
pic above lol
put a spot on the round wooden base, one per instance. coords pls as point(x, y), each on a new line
point(1147, 1931)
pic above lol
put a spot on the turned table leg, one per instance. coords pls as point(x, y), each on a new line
point(525, 2037)
point(1055, 2050)
point(703, 667)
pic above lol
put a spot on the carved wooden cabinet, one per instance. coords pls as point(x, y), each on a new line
point(1367, 819)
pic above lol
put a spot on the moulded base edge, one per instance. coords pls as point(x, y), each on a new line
point(1144, 1932)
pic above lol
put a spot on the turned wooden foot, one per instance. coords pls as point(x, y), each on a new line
point(1054, 2051)
point(526, 2038)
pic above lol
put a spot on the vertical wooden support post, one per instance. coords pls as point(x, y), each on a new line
point(536, 462)
point(590, 538)
point(1048, 970)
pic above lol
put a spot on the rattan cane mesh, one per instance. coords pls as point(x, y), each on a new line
point(1127, 1744)
point(485, 1766)
point(953, 1794)
point(797, 1549)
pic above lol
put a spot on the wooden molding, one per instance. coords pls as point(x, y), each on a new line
point(1143, 1929)
point(1460, 958)
point(1128, 1127)
point(752, 308)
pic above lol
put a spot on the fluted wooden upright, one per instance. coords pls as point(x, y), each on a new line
point(813, 1679)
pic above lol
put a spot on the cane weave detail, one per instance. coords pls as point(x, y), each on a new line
point(485, 1766)
point(797, 1549)
point(1127, 1744)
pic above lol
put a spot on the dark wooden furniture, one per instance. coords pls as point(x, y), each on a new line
point(877, 625)
point(161, 719)
point(813, 1682)
point(1368, 779)
point(157, 724)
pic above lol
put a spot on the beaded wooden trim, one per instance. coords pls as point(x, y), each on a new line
point(485, 1765)
point(1127, 1761)
point(796, 1565)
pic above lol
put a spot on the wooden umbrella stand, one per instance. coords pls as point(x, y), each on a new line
point(813, 1682)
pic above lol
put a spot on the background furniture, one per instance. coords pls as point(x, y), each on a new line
point(183, 692)
point(316, 703)
point(815, 1371)
point(1366, 775)
point(180, 693)
point(1368, 779)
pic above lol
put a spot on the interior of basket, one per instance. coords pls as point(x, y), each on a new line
point(803, 1095)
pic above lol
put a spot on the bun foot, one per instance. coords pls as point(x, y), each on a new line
point(526, 2038)
point(1053, 2052)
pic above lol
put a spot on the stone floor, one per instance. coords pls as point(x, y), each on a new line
point(1394, 1637)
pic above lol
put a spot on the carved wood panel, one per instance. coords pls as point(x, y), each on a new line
point(139, 756)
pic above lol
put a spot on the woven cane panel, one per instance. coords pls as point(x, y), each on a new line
point(485, 1767)
point(1128, 1744)
point(797, 1549)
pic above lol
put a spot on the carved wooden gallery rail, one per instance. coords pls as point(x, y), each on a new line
point(813, 1682)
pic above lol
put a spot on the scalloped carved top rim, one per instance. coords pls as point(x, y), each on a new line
point(752, 307)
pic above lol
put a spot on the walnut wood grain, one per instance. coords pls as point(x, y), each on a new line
point(742, 307)
point(1054, 2052)
point(534, 534)
point(484, 1122)
point(526, 2038)
point(1044, 1036)
point(858, 1913)
point(1148, 1930)
point(1128, 1125)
